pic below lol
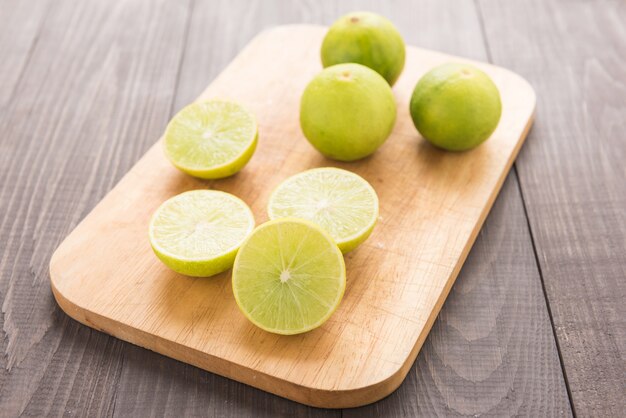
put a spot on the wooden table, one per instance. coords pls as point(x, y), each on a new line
point(536, 322)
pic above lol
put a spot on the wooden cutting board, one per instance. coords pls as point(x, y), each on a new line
point(432, 206)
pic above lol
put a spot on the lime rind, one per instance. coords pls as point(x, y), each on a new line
point(347, 112)
point(212, 139)
point(197, 233)
point(341, 202)
point(368, 39)
point(456, 106)
point(289, 276)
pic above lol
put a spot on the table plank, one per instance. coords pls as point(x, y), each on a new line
point(573, 179)
point(491, 351)
point(154, 385)
point(63, 146)
point(496, 313)
point(96, 92)
point(20, 23)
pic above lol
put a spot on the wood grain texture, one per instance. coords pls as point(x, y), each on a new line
point(90, 374)
point(573, 179)
point(152, 384)
point(66, 138)
point(20, 24)
point(491, 351)
point(220, 29)
point(436, 384)
point(105, 275)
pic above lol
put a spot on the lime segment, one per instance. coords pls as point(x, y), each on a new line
point(211, 139)
point(289, 276)
point(198, 233)
point(341, 202)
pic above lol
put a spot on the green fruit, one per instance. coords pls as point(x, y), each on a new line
point(198, 233)
point(456, 106)
point(347, 111)
point(289, 276)
point(343, 203)
point(368, 39)
point(211, 140)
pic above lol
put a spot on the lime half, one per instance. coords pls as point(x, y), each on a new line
point(341, 202)
point(198, 233)
point(211, 139)
point(289, 276)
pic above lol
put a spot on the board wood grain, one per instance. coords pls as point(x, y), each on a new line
point(432, 206)
point(490, 351)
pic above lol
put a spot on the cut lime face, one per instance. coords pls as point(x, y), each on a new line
point(198, 233)
point(289, 276)
point(211, 139)
point(341, 202)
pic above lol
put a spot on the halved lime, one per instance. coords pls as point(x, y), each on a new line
point(211, 140)
point(198, 233)
point(289, 276)
point(341, 202)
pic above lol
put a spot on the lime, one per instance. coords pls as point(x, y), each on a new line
point(347, 111)
point(365, 38)
point(341, 202)
point(289, 276)
point(211, 139)
point(456, 106)
point(198, 233)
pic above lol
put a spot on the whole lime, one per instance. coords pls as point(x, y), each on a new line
point(347, 111)
point(456, 106)
point(368, 39)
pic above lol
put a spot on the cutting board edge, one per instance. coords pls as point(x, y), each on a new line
point(322, 398)
point(313, 396)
